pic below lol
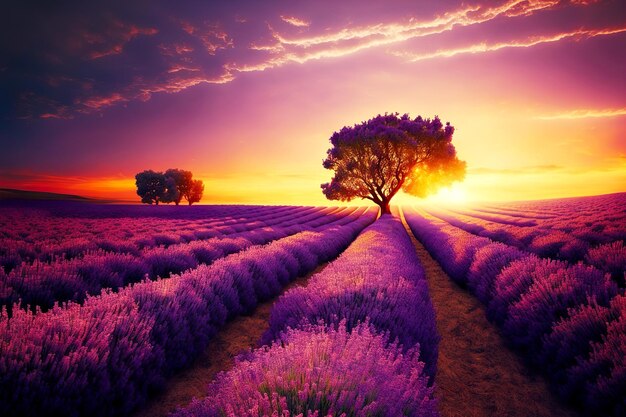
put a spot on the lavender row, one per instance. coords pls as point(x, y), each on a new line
point(602, 205)
point(566, 242)
point(525, 214)
point(46, 234)
point(29, 237)
point(106, 356)
point(503, 218)
point(377, 279)
point(360, 339)
point(567, 320)
point(41, 285)
point(594, 220)
point(603, 249)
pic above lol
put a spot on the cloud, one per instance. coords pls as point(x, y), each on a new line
point(584, 2)
point(294, 21)
point(346, 41)
point(95, 60)
point(175, 49)
point(178, 80)
point(585, 114)
point(212, 36)
point(112, 42)
point(524, 43)
point(103, 101)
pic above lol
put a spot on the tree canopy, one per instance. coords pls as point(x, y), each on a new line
point(377, 158)
point(170, 186)
point(151, 187)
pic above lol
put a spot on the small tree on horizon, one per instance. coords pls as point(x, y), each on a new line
point(151, 187)
point(375, 159)
point(169, 187)
point(195, 192)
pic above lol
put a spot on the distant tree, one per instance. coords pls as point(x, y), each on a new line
point(195, 192)
point(375, 159)
point(171, 186)
point(151, 187)
point(183, 181)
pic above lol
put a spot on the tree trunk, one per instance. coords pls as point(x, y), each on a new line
point(384, 208)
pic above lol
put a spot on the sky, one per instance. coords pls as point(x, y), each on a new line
point(246, 94)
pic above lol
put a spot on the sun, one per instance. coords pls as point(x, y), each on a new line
point(452, 195)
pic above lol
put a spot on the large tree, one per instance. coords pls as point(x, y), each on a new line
point(377, 158)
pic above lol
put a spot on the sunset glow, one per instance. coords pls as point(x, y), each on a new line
point(247, 95)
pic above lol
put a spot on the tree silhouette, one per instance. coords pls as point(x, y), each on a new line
point(151, 187)
point(169, 187)
point(195, 192)
point(183, 180)
point(375, 159)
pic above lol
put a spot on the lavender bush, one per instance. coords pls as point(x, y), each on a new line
point(548, 299)
point(487, 264)
point(322, 372)
point(598, 379)
point(513, 282)
point(610, 257)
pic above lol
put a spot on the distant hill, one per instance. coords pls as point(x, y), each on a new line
point(12, 194)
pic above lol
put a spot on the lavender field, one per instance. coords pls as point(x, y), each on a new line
point(102, 305)
point(551, 276)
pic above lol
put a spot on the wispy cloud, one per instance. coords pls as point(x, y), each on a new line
point(117, 36)
point(585, 2)
point(347, 41)
point(294, 21)
point(585, 114)
point(483, 47)
point(175, 49)
point(178, 78)
point(212, 36)
point(192, 51)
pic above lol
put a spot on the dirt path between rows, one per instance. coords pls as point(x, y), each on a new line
point(477, 374)
point(240, 334)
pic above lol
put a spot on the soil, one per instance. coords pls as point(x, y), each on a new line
point(240, 334)
point(477, 374)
